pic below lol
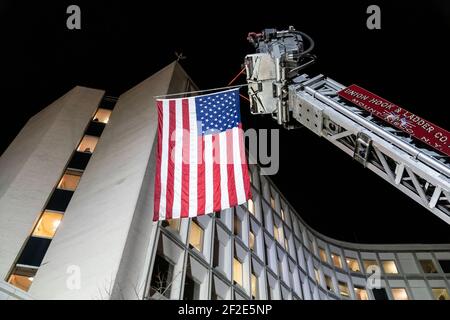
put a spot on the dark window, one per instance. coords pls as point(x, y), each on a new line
point(191, 289)
point(161, 282)
point(59, 200)
point(216, 252)
point(445, 265)
point(95, 129)
point(34, 251)
point(79, 160)
point(428, 266)
point(108, 102)
point(380, 294)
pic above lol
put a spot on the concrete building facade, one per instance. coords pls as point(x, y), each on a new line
point(76, 206)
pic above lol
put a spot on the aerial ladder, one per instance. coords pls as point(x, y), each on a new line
point(277, 86)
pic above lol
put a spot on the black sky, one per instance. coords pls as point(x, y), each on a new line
point(122, 43)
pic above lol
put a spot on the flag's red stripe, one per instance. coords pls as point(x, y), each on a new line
point(248, 191)
point(216, 172)
point(185, 161)
point(157, 198)
point(201, 195)
point(171, 159)
point(232, 196)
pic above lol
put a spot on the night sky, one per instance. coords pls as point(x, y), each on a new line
point(122, 43)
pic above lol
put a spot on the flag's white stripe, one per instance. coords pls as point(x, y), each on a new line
point(178, 159)
point(238, 176)
point(224, 199)
point(209, 188)
point(164, 159)
point(193, 164)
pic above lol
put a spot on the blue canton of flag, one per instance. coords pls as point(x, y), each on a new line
point(218, 112)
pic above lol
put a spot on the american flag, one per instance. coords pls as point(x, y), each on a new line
point(201, 166)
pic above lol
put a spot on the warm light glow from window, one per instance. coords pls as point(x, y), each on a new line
point(237, 271)
point(196, 236)
point(389, 266)
point(361, 294)
point(316, 274)
point(399, 294)
point(251, 206)
point(440, 294)
point(254, 287)
point(276, 233)
point(47, 225)
point(428, 266)
point(368, 263)
point(322, 254)
point(88, 144)
point(336, 260)
point(251, 240)
point(282, 214)
point(69, 181)
point(329, 283)
point(353, 265)
point(174, 224)
point(22, 278)
point(343, 289)
point(102, 115)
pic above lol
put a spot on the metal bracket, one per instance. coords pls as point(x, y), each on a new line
point(362, 148)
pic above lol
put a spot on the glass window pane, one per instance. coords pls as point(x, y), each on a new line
point(329, 283)
point(70, 180)
point(369, 263)
point(251, 206)
point(88, 144)
point(389, 266)
point(102, 115)
point(174, 224)
point(162, 277)
point(251, 240)
point(254, 287)
point(196, 236)
point(440, 294)
point(316, 275)
point(337, 262)
point(399, 294)
point(353, 265)
point(428, 266)
point(322, 254)
point(237, 271)
point(361, 294)
point(22, 278)
point(47, 225)
point(343, 289)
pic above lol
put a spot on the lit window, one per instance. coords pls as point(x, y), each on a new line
point(361, 294)
point(251, 206)
point(440, 294)
point(174, 224)
point(399, 294)
point(237, 272)
point(254, 287)
point(428, 266)
point(70, 180)
point(102, 115)
point(343, 289)
point(353, 265)
point(286, 244)
point(322, 254)
point(276, 233)
point(329, 283)
point(282, 214)
point(88, 144)
point(22, 278)
point(316, 274)
point(272, 202)
point(337, 262)
point(389, 266)
point(196, 236)
point(47, 225)
point(369, 263)
point(251, 240)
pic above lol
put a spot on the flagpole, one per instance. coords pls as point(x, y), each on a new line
point(201, 91)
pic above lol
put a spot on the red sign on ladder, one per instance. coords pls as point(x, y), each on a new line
point(398, 117)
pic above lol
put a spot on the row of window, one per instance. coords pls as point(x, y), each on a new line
point(33, 253)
